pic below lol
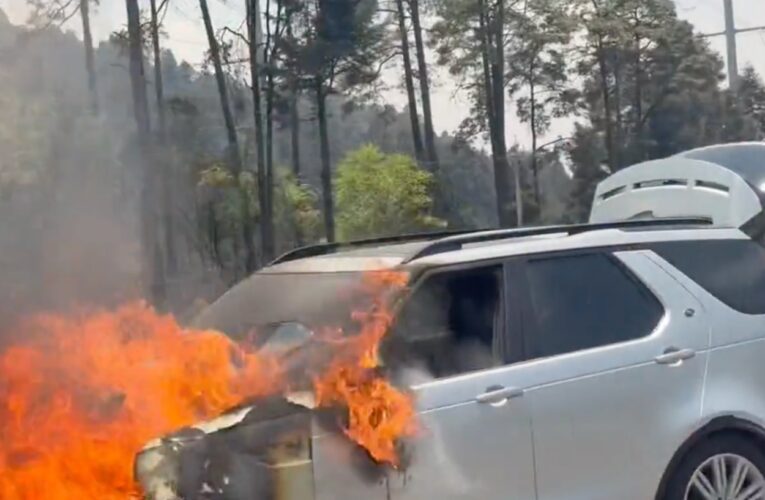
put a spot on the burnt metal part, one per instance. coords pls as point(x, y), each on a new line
point(246, 461)
point(331, 421)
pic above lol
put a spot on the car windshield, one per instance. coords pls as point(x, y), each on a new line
point(255, 308)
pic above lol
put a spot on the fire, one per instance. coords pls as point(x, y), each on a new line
point(82, 393)
point(378, 413)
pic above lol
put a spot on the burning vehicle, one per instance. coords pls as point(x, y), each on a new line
point(613, 359)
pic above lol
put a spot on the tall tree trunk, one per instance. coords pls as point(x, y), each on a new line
point(414, 118)
point(295, 127)
point(294, 90)
point(483, 36)
point(422, 70)
point(518, 187)
point(167, 194)
point(619, 122)
point(253, 11)
point(220, 80)
point(268, 217)
point(295, 146)
point(533, 119)
point(326, 168)
point(502, 184)
point(90, 65)
point(638, 99)
point(605, 95)
point(293, 82)
point(152, 263)
point(502, 166)
point(235, 159)
point(158, 82)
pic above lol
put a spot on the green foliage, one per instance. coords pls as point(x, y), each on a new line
point(216, 176)
point(382, 194)
point(660, 80)
point(457, 40)
point(751, 98)
point(298, 218)
point(23, 142)
point(538, 64)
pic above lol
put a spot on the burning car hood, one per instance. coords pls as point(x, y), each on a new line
point(257, 451)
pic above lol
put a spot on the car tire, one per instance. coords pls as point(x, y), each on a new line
point(719, 456)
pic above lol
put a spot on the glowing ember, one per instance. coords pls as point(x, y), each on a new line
point(81, 394)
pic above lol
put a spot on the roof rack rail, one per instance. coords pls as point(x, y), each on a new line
point(456, 242)
point(329, 248)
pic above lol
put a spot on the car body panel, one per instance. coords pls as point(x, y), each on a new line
point(607, 420)
point(599, 423)
point(469, 449)
point(455, 456)
point(561, 243)
point(398, 255)
point(342, 470)
point(735, 382)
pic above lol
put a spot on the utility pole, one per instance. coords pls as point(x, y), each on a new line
point(730, 42)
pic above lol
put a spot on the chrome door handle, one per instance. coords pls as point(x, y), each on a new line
point(498, 396)
point(674, 356)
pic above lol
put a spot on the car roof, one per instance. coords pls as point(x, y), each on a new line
point(746, 159)
point(498, 244)
point(378, 257)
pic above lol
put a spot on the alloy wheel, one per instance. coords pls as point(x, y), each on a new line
point(726, 476)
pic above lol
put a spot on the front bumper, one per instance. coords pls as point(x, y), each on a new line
point(259, 452)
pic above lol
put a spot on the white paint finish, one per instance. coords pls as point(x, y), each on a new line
point(589, 239)
point(735, 383)
point(624, 421)
point(727, 209)
point(471, 449)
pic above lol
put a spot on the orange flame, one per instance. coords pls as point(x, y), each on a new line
point(82, 393)
point(378, 413)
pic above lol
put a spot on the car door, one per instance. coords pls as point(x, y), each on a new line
point(618, 350)
point(475, 438)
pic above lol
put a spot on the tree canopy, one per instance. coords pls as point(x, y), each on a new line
point(382, 194)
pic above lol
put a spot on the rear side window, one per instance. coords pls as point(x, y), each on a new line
point(731, 270)
point(585, 301)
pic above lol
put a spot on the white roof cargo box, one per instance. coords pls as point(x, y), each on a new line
point(725, 183)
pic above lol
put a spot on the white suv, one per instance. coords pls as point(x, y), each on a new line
point(621, 359)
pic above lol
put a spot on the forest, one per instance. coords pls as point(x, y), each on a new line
point(128, 173)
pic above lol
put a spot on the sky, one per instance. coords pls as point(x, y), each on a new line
point(185, 36)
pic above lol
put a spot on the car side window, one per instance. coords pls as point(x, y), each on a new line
point(731, 270)
point(451, 324)
point(584, 301)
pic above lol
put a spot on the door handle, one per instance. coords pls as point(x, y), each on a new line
point(674, 356)
point(498, 396)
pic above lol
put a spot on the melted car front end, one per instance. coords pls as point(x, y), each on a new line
point(258, 452)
